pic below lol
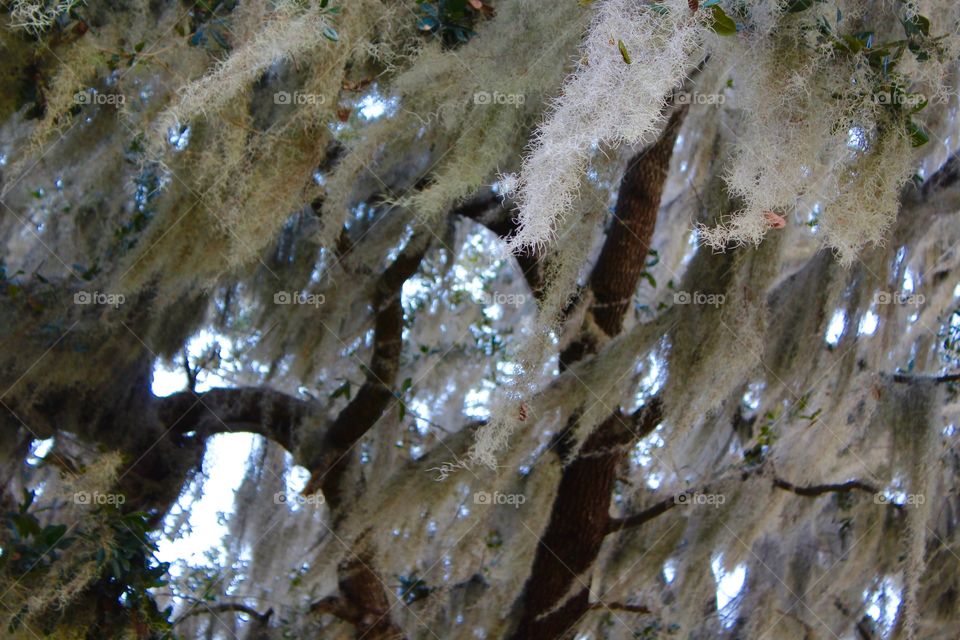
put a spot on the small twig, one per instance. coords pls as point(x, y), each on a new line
point(225, 607)
point(619, 606)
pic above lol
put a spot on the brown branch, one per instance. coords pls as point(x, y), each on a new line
point(227, 607)
point(624, 255)
point(616, 275)
point(661, 507)
point(580, 516)
point(374, 396)
point(648, 514)
point(337, 607)
point(578, 525)
point(905, 378)
point(618, 606)
point(821, 489)
point(271, 414)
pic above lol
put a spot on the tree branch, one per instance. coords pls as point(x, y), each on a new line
point(227, 607)
point(666, 504)
point(374, 396)
point(905, 378)
point(648, 514)
point(618, 606)
point(269, 413)
point(821, 489)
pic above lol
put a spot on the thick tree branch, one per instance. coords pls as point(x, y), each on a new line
point(271, 414)
point(374, 396)
point(616, 274)
point(624, 255)
point(579, 519)
point(578, 525)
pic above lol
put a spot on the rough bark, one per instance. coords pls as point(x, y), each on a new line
point(556, 595)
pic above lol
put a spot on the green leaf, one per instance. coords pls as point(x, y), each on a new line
point(649, 278)
point(623, 51)
point(331, 34)
point(216, 35)
point(851, 43)
point(918, 137)
point(722, 23)
point(28, 497)
point(26, 525)
point(52, 535)
point(342, 390)
point(918, 25)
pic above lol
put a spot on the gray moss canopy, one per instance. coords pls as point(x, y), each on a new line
point(803, 376)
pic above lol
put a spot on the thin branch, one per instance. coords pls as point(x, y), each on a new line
point(227, 607)
point(619, 606)
point(665, 505)
point(907, 378)
point(821, 489)
point(648, 514)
